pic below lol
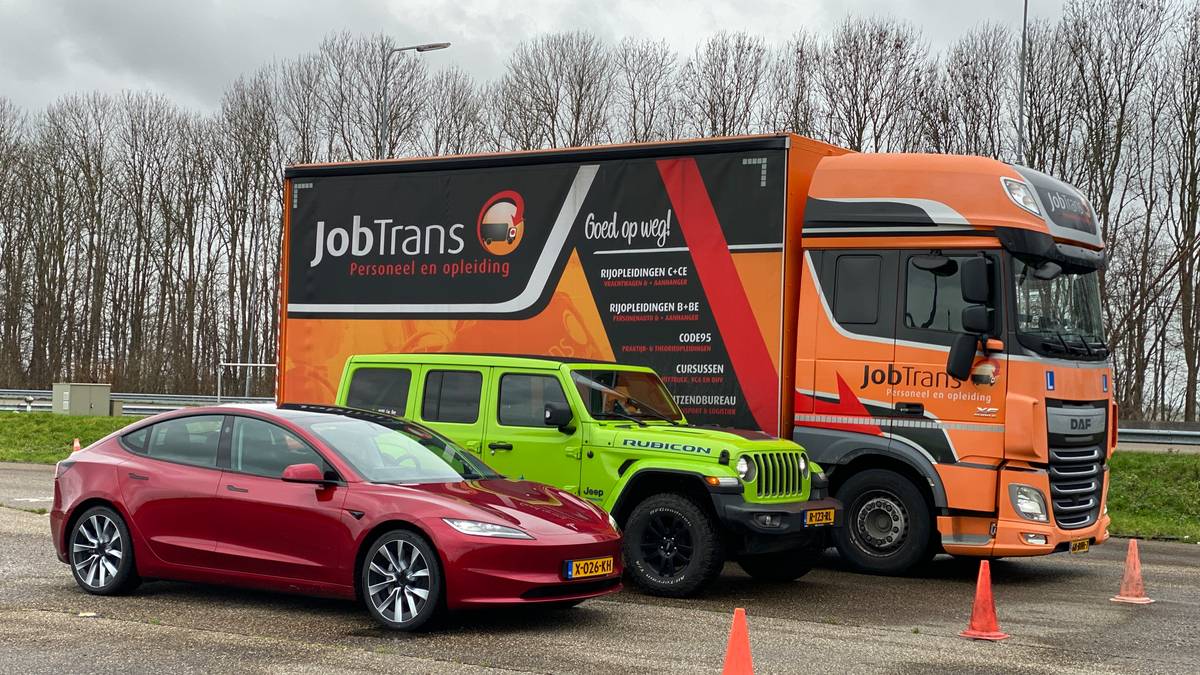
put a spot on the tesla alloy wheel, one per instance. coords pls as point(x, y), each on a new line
point(401, 580)
point(102, 553)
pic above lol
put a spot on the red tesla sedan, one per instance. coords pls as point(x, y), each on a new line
point(326, 501)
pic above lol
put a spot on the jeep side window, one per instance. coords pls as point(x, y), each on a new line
point(381, 389)
point(523, 399)
point(452, 396)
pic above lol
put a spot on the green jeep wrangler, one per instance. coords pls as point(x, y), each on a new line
point(686, 497)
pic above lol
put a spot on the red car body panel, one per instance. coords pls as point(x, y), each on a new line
point(215, 525)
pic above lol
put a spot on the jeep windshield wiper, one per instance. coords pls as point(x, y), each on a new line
point(651, 409)
point(624, 416)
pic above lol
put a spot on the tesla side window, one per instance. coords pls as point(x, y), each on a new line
point(136, 440)
point(264, 449)
point(187, 440)
point(381, 389)
point(523, 399)
point(452, 396)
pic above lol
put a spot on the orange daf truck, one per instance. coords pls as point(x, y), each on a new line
point(928, 327)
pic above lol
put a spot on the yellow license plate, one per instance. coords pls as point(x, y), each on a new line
point(1080, 546)
point(818, 517)
point(591, 567)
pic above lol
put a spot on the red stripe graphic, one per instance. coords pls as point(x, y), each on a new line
point(718, 276)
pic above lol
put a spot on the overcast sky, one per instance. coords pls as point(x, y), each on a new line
point(191, 49)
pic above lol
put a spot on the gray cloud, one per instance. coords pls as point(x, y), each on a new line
point(191, 50)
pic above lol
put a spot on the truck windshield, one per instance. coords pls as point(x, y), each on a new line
point(399, 453)
point(625, 394)
point(1059, 316)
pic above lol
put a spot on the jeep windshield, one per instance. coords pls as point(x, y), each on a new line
point(625, 394)
point(1059, 316)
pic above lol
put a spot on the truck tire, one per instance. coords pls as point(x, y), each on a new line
point(775, 567)
point(672, 547)
point(888, 523)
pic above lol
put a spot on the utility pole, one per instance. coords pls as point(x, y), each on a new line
point(1021, 95)
point(385, 123)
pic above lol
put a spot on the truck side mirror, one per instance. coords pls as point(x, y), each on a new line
point(962, 356)
point(977, 319)
point(975, 277)
point(558, 415)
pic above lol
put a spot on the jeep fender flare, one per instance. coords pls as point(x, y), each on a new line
point(619, 499)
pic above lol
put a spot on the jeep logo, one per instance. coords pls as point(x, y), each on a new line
point(660, 445)
point(1081, 423)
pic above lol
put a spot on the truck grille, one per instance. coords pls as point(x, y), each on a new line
point(1077, 469)
point(779, 474)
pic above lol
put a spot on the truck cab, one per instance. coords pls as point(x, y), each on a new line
point(686, 497)
point(951, 370)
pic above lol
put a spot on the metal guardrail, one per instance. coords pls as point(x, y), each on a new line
point(152, 404)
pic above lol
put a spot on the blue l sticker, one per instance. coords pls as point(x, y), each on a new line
point(1049, 380)
point(1104, 383)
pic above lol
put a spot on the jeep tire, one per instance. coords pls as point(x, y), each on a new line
point(672, 547)
point(888, 523)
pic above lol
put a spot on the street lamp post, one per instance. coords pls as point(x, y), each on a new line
point(385, 123)
point(1021, 93)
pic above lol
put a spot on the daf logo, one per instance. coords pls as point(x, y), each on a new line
point(1081, 423)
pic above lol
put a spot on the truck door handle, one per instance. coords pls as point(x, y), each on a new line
point(910, 408)
point(234, 488)
point(500, 445)
point(138, 476)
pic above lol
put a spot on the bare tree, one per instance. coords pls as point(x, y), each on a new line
point(454, 123)
point(964, 108)
point(722, 84)
point(792, 101)
point(643, 90)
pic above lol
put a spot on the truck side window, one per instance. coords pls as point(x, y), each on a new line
point(856, 289)
point(452, 396)
point(382, 389)
point(933, 300)
point(523, 399)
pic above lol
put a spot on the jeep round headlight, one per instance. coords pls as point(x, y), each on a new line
point(745, 468)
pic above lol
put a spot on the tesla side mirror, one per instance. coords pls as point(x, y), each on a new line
point(303, 473)
point(975, 277)
point(977, 319)
point(962, 356)
point(560, 416)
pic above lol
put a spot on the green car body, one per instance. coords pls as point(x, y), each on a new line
point(771, 518)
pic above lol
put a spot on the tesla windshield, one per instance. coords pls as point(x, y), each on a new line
point(625, 394)
point(397, 453)
point(1060, 315)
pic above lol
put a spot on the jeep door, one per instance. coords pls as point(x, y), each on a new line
point(517, 442)
point(451, 400)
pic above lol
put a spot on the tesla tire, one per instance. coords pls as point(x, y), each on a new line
point(401, 580)
point(672, 547)
point(888, 523)
point(101, 553)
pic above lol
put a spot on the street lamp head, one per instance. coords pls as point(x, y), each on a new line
point(429, 47)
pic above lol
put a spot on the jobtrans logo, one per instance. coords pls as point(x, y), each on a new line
point(386, 248)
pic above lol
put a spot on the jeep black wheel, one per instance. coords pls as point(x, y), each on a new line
point(671, 546)
point(779, 566)
point(888, 523)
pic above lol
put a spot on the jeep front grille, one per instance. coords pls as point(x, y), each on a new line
point(779, 474)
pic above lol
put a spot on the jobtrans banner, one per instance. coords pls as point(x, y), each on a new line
point(671, 262)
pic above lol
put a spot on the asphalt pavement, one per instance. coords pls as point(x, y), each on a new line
point(1056, 608)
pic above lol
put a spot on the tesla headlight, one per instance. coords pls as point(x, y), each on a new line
point(745, 468)
point(1028, 502)
point(1021, 194)
point(613, 522)
point(482, 529)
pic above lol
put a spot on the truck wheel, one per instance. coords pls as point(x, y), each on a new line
point(671, 546)
point(887, 525)
point(780, 566)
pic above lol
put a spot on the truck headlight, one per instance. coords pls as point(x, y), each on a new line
point(745, 468)
point(1022, 196)
point(1028, 502)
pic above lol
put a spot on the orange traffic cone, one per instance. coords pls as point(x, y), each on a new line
point(983, 624)
point(1133, 590)
point(75, 446)
point(737, 652)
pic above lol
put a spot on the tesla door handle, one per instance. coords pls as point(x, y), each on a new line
point(500, 445)
point(234, 488)
point(910, 408)
point(138, 476)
